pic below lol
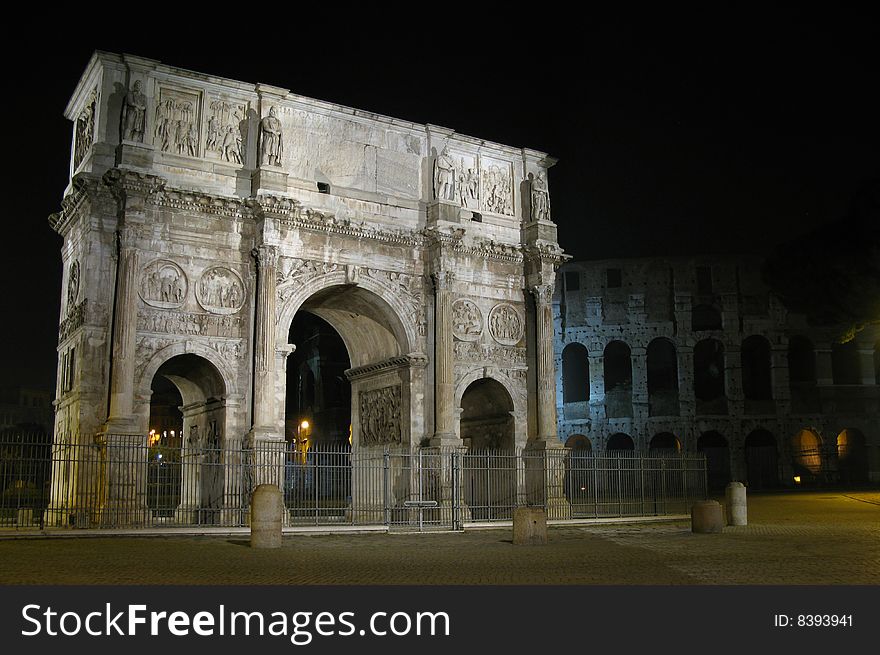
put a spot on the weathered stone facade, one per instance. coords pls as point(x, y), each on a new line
point(693, 349)
point(203, 213)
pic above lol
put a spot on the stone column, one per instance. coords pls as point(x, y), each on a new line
point(686, 398)
point(444, 362)
point(121, 419)
point(545, 369)
point(597, 389)
point(264, 419)
point(779, 375)
point(545, 458)
point(733, 381)
point(640, 401)
point(866, 365)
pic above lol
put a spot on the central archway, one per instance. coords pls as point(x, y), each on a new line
point(364, 334)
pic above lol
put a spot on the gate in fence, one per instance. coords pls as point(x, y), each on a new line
point(132, 485)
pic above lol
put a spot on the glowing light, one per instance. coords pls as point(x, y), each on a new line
point(797, 479)
point(304, 425)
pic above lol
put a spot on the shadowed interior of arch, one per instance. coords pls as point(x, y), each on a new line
point(334, 330)
point(369, 327)
point(486, 420)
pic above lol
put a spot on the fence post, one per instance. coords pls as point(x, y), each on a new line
point(386, 464)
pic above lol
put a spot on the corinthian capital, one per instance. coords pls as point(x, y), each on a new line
point(443, 280)
point(543, 293)
point(266, 256)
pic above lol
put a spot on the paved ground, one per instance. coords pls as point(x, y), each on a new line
point(796, 538)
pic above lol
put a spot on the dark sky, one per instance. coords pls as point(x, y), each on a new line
point(685, 134)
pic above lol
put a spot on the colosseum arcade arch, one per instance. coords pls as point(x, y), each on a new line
point(379, 343)
point(852, 456)
point(714, 446)
point(762, 460)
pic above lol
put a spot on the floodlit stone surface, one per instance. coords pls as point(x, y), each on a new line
point(267, 508)
point(736, 504)
point(529, 526)
point(204, 213)
point(707, 517)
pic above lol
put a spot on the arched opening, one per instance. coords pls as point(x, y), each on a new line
point(705, 317)
point(709, 377)
point(486, 420)
point(620, 441)
point(580, 472)
point(806, 450)
point(347, 387)
point(579, 442)
point(575, 381)
point(347, 378)
point(852, 457)
point(714, 446)
point(802, 375)
point(762, 460)
point(618, 380)
point(187, 417)
point(662, 365)
point(664, 443)
point(845, 363)
point(756, 376)
point(490, 465)
point(318, 408)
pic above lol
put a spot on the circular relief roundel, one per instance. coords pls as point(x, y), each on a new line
point(163, 284)
point(505, 324)
point(220, 290)
point(467, 320)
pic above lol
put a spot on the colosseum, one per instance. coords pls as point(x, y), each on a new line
point(696, 354)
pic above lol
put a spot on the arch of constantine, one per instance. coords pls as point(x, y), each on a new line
point(205, 216)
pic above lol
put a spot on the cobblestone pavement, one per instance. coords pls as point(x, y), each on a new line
point(795, 538)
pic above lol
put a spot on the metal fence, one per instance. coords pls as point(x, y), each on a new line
point(121, 482)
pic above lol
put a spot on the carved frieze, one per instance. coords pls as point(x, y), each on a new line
point(467, 320)
point(409, 288)
point(177, 122)
point(145, 349)
point(503, 356)
point(72, 284)
point(300, 271)
point(75, 319)
point(228, 350)
point(188, 323)
point(85, 129)
point(496, 178)
point(163, 284)
point(226, 130)
point(505, 324)
point(220, 291)
point(380, 416)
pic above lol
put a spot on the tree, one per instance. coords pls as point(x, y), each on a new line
point(832, 274)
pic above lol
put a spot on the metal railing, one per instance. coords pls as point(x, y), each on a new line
point(118, 481)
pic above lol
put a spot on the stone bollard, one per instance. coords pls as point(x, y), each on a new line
point(707, 517)
point(267, 506)
point(529, 526)
point(735, 496)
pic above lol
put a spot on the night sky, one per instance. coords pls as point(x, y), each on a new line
point(692, 134)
